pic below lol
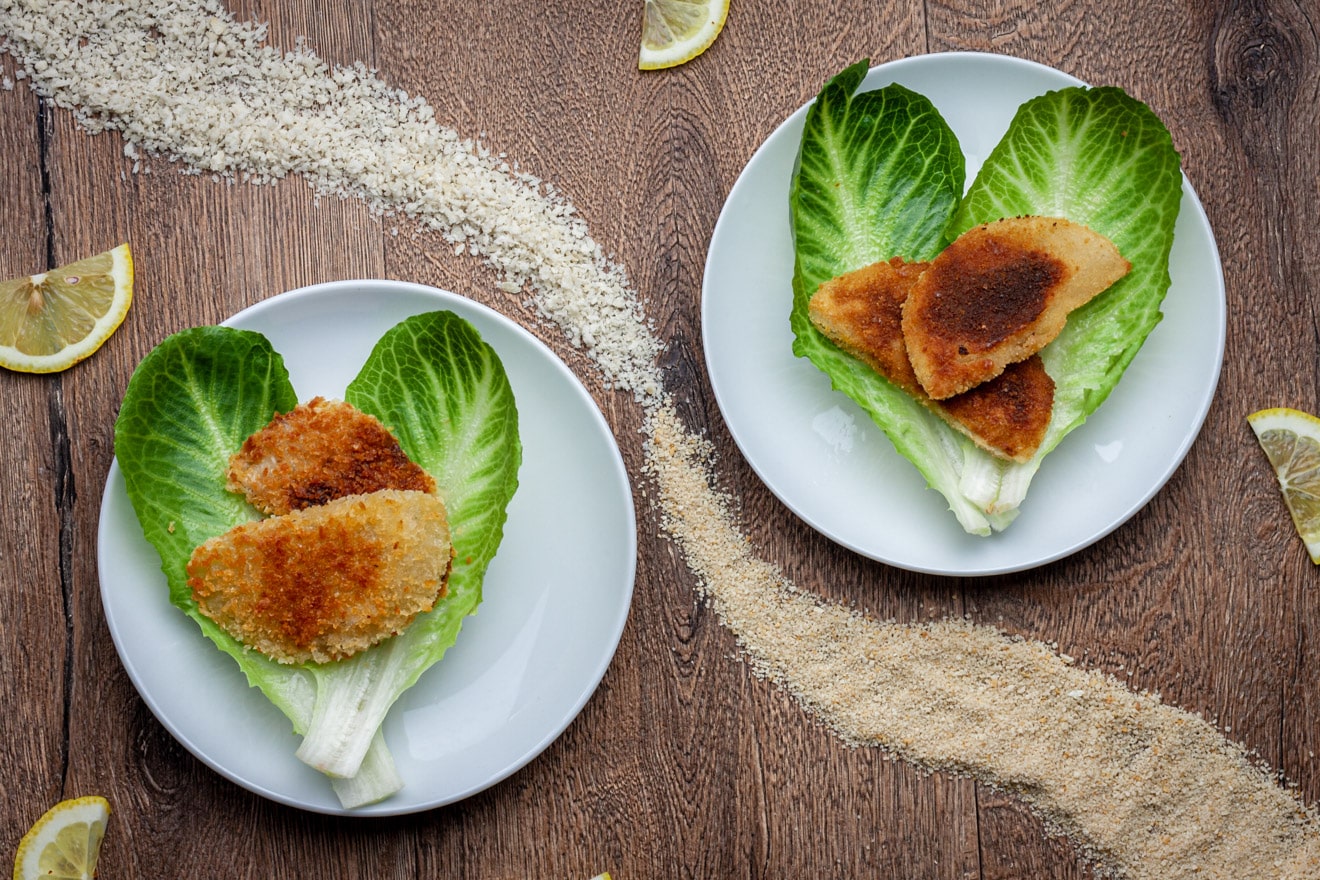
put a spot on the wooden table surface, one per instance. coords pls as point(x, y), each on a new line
point(684, 763)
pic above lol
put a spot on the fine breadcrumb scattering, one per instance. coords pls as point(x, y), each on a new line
point(319, 451)
point(1144, 789)
point(186, 81)
point(1147, 790)
point(323, 583)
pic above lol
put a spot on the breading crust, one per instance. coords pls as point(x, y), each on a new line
point(998, 294)
point(319, 451)
point(325, 582)
point(861, 312)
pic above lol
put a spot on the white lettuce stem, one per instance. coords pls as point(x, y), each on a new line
point(980, 479)
point(376, 779)
point(352, 697)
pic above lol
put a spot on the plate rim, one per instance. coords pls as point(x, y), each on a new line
point(892, 71)
point(610, 641)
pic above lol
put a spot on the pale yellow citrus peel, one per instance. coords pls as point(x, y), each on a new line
point(65, 842)
point(53, 320)
point(676, 31)
point(1291, 440)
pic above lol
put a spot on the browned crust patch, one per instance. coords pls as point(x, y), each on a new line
point(1008, 415)
point(998, 294)
point(323, 583)
point(861, 312)
point(319, 451)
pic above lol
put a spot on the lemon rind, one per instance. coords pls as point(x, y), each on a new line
point(1282, 417)
point(682, 52)
point(1301, 424)
point(90, 810)
point(122, 274)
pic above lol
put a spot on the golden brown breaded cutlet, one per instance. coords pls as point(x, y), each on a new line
point(323, 583)
point(319, 451)
point(998, 294)
point(1007, 416)
point(861, 312)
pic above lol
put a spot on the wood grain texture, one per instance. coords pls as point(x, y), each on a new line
point(35, 603)
point(683, 764)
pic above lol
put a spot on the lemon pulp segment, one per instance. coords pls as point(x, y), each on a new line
point(676, 31)
point(65, 842)
point(50, 321)
point(1291, 441)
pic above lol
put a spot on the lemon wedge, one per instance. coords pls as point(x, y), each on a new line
point(50, 321)
point(1291, 440)
point(65, 842)
point(676, 31)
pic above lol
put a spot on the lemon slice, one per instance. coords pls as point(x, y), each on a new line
point(65, 842)
point(1291, 440)
point(49, 322)
point(675, 31)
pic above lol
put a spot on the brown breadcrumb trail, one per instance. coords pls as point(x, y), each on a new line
point(1146, 790)
point(324, 583)
point(319, 451)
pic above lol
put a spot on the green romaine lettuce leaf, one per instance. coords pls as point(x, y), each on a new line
point(445, 395)
point(1103, 159)
point(197, 396)
point(190, 404)
point(879, 174)
point(1095, 156)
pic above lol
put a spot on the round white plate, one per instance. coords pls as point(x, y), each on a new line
point(824, 458)
point(555, 597)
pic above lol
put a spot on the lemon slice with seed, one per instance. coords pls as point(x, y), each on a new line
point(65, 842)
point(675, 31)
point(1291, 440)
point(49, 322)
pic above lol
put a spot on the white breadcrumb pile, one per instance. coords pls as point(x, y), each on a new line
point(185, 81)
point(1145, 790)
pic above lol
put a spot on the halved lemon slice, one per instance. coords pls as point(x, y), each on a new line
point(675, 31)
point(1291, 440)
point(49, 322)
point(65, 842)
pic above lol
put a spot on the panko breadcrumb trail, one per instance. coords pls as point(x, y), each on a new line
point(319, 451)
point(326, 582)
point(1146, 789)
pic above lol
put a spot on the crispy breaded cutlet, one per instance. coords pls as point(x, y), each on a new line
point(998, 294)
point(319, 451)
point(323, 583)
point(1007, 416)
point(861, 312)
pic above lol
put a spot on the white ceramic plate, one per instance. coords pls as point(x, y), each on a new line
point(555, 597)
point(824, 458)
